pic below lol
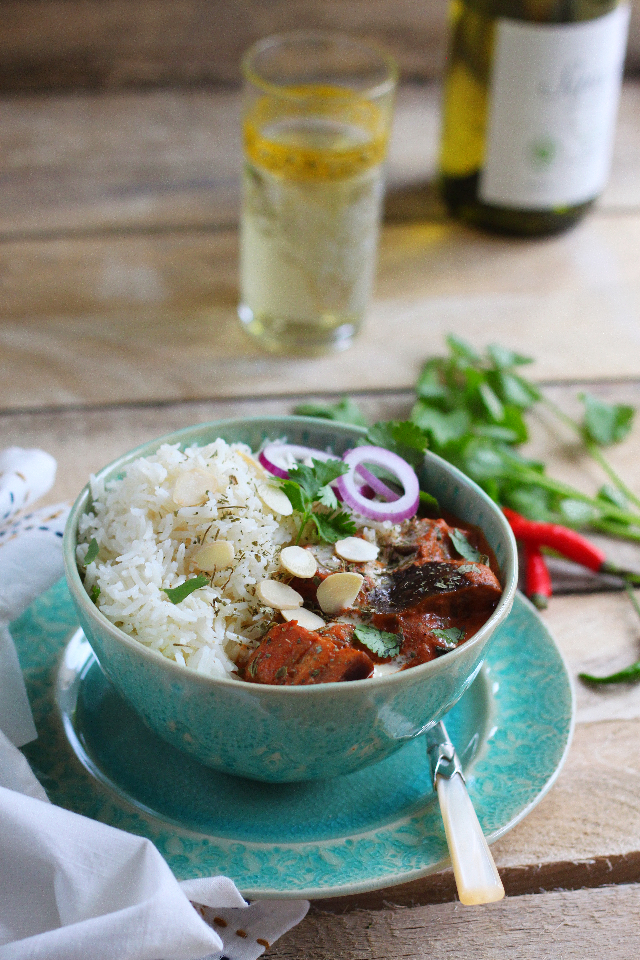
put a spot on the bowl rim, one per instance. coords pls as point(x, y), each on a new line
point(410, 676)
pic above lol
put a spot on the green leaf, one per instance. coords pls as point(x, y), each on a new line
point(450, 637)
point(429, 384)
point(92, 552)
point(577, 511)
point(461, 349)
point(514, 420)
point(332, 527)
point(518, 391)
point(345, 411)
point(402, 437)
point(484, 461)
point(492, 402)
point(531, 502)
point(463, 547)
point(94, 593)
point(297, 497)
point(495, 432)
point(328, 471)
point(606, 423)
point(379, 641)
point(443, 428)
point(327, 498)
point(312, 479)
point(611, 494)
point(504, 358)
point(428, 500)
point(177, 594)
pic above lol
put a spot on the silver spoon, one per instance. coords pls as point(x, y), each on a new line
point(476, 876)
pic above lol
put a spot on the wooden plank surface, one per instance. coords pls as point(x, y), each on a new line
point(116, 43)
point(166, 159)
point(119, 282)
point(577, 925)
point(133, 318)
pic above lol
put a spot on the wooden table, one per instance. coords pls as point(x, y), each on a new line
point(117, 323)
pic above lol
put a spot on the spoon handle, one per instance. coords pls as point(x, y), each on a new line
point(476, 876)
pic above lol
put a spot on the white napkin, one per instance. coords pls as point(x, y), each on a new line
point(70, 887)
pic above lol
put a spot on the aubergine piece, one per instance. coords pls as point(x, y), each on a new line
point(454, 589)
point(290, 654)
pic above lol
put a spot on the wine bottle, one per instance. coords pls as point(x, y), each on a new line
point(531, 91)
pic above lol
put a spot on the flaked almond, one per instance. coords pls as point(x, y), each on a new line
point(278, 595)
point(306, 618)
point(193, 486)
point(298, 561)
point(338, 592)
point(257, 468)
point(356, 550)
point(215, 556)
point(275, 499)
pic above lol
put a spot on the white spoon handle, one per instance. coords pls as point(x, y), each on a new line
point(475, 872)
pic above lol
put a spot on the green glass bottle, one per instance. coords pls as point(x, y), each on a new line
point(531, 91)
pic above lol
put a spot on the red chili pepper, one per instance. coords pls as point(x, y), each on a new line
point(564, 541)
point(536, 574)
point(568, 543)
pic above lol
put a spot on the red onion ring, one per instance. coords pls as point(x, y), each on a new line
point(397, 510)
point(279, 458)
point(376, 485)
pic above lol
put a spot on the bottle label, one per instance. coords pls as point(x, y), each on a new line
point(553, 101)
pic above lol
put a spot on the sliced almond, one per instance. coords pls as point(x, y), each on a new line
point(306, 618)
point(298, 562)
point(257, 468)
point(278, 595)
point(356, 550)
point(338, 592)
point(215, 556)
point(275, 499)
point(193, 486)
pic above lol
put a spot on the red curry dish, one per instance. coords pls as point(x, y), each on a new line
point(419, 590)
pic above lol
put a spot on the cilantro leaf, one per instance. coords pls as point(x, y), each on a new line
point(463, 547)
point(345, 411)
point(606, 423)
point(505, 358)
point(379, 641)
point(450, 637)
point(297, 497)
point(332, 527)
point(94, 593)
point(404, 437)
point(429, 501)
point(461, 350)
point(178, 594)
point(441, 427)
point(92, 552)
point(308, 486)
point(312, 479)
point(327, 498)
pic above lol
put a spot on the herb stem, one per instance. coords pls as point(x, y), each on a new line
point(593, 450)
point(632, 597)
point(556, 486)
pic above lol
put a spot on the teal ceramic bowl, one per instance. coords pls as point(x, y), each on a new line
point(293, 733)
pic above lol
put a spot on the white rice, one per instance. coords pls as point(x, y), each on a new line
point(147, 543)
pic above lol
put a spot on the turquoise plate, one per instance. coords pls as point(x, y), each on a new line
point(373, 828)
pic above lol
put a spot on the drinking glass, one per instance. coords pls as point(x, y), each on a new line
point(317, 114)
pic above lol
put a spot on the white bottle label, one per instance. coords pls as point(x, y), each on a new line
point(553, 102)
